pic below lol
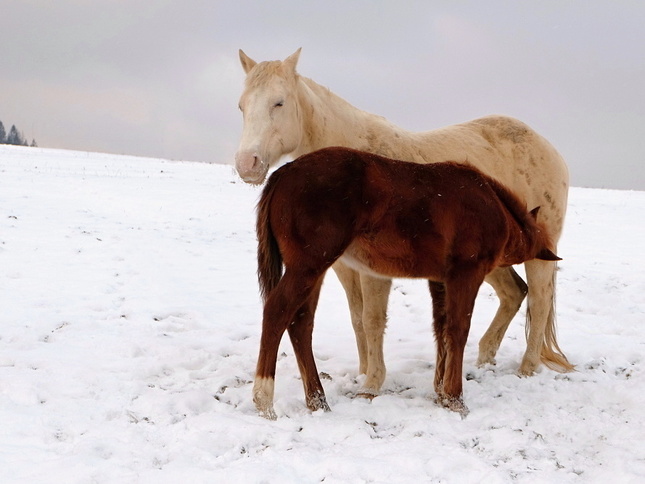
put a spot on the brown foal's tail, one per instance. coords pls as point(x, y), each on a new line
point(269, 256)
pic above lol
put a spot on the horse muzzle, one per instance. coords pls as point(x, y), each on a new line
point(250, 166)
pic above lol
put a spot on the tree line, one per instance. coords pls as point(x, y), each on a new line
point(14, 137)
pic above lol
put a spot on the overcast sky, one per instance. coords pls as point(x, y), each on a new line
point(162, 78)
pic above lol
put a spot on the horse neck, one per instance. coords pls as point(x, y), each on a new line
point(329, 120)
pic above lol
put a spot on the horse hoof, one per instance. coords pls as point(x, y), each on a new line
point(263, 397)
point(268, 413)
point(318, 402)
point(456, 405)
point(366, 395)
point(461, 409)
point(487, 360)
point(527, 369)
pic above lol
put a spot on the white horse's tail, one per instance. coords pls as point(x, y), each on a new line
point(551, 354)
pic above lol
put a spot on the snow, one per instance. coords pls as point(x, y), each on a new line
point(130, 325)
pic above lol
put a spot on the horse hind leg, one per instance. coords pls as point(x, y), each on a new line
point(350, 280)
point(376, 292)
point(542, 342)
point(280, 309)
point(511, 291)
point(300, 333)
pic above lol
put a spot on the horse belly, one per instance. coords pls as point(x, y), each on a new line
point(363, 267)
point(392, 260)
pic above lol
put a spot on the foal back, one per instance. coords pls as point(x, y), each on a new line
point(394, 218)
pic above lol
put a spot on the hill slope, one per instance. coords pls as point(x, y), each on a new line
point(129, 333)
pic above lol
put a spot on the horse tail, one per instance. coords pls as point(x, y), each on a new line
point(269, 256)
point(551, 354)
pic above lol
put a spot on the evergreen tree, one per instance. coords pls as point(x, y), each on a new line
point(15, 138)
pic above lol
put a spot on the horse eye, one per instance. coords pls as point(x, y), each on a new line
point(279, 104)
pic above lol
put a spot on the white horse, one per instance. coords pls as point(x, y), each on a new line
point(287, 114)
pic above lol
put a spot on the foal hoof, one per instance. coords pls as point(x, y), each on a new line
point(318, 402)
point(456, 405)
point(263, 397)
point(366, 395)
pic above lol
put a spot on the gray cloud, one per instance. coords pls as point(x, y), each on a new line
point(162, 78)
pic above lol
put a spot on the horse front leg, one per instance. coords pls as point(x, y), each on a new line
point(461, 291)
point(438, 296)
point(300, 333)
point(511, 290)
point(376, 292)
point(350, 280)
point(540, 320)
point(280, 309)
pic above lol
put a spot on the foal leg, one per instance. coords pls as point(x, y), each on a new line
point(511, 290)
point(300, 332)
point(376, 292)
point(280, 308)
point(461, 291)
point(438, 294)
point(350, 280)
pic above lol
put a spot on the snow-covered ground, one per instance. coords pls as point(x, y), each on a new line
point(129, 329)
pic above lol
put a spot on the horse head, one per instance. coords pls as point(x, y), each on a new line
point(269, 106)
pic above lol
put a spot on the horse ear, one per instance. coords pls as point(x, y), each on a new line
point(534, 212)
point(292, 60)
point(247, 62)
point(546, 254)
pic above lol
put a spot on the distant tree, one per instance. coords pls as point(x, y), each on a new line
point(33, 143)
point(12, 137)
point(15, 137)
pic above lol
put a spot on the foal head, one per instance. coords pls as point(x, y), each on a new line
point(269, 106)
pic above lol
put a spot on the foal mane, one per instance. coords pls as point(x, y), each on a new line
point(515, 206)
point(525, 219)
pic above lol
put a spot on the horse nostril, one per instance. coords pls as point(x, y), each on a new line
point(250, 166)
